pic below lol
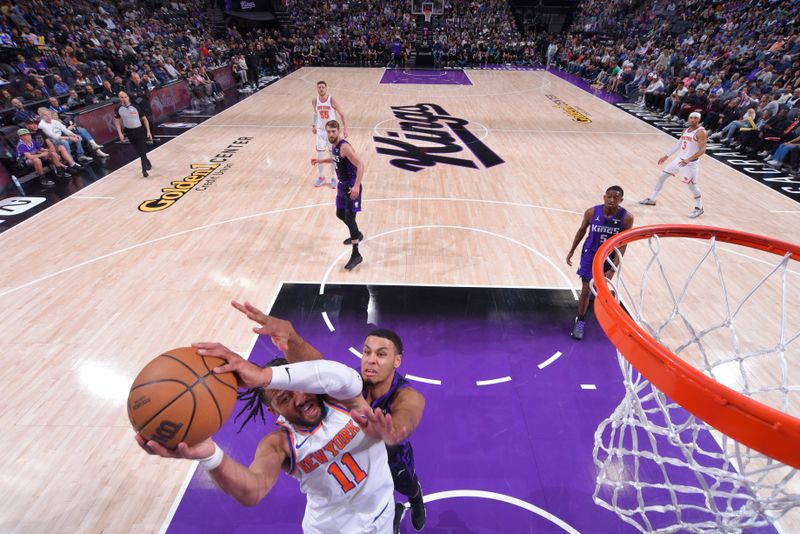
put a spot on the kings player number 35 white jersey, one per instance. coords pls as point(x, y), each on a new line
point(344, 474)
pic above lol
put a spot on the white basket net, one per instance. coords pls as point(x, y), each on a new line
point(660, 468)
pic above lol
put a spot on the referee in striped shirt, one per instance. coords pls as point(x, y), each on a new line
point(136, 127)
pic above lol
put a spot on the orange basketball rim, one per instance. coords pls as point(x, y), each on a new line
point(760, 427)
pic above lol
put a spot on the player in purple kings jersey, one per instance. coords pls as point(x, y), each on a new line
point(350, 171)
point(602, 221)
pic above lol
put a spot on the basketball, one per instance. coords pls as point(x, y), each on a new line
point(177, 397)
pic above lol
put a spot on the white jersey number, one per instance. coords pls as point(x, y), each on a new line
point(344, 482)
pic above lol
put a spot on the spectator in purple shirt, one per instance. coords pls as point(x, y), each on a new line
point(30, 154)
point(39, 65)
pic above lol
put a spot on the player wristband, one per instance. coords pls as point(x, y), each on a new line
point(213, 461)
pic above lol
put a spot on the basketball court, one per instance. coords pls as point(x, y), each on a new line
point(475, 184)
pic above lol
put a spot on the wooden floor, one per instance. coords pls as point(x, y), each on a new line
point(93, 288)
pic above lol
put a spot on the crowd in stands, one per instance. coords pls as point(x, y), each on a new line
point(737, 63)
point(348, 31)
point(384, 32)
point(480, 34)
point(73, 55)
point(88, 43)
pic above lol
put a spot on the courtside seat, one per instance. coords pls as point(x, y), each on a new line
point(8, 157)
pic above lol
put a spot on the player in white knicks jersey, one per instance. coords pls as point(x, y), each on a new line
point(325, 109)
point(344, 475)
point(690, 147)
point(340, 462)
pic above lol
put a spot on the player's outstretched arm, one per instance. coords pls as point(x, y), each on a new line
point(407, 408)
point(323, 377)
point(380, 426)
point(247, 485)
point(281, 332)
point(248, 375)
point(338, 382)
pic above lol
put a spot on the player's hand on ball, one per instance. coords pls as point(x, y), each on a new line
point(378, 425)
point(278, 330)
point(248, 375)
point(204, 449)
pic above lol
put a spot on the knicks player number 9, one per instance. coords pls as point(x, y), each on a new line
point(350, 463)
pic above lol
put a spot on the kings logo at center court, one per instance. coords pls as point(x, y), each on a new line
point(429, 136)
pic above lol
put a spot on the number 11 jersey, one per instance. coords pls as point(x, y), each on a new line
point(344, 474)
